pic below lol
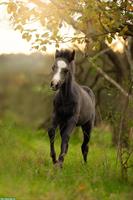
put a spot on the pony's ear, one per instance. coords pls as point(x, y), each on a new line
point(57, 53)
point(73, 55)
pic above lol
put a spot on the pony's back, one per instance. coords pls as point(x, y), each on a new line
point(90, 92)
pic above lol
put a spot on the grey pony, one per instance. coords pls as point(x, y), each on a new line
point(73, 105)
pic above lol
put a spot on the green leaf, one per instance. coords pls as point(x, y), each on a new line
point(19, 27)
point(36, 47)
point(45, 34)
point(25, 35)
point(57, 45)
point(44, 48)
point(109, 39)
point(44, 42)
point(124, 30)
point(37, 35)
point(11, 7)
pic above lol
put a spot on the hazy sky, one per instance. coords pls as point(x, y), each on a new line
point(10, 40)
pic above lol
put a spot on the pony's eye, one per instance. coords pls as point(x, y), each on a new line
point(65, 70)
point(53, 67)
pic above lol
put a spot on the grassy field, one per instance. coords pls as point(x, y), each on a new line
point(26, 171)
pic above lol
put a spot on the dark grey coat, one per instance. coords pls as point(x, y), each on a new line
point(74, 105)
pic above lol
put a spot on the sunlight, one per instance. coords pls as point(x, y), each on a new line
point(117, 44)
point(11, 41)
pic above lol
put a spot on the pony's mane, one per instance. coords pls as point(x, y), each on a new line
point(64, 53)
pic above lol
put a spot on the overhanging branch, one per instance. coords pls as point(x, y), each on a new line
point(104, 74)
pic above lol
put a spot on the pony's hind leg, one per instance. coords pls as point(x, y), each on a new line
point(87, 127)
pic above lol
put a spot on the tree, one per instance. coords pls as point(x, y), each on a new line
point(92, 20)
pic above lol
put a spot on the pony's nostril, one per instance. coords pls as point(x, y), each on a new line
point(55, 85)
point(51, 84)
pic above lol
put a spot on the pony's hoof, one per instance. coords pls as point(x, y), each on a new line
point(58, 164)
point(54, 162)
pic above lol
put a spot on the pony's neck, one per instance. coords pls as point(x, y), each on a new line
point(67, 87)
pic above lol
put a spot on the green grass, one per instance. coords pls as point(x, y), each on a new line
point(27, 173)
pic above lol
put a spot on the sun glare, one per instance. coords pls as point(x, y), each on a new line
point(117, 44)
point(11, 41)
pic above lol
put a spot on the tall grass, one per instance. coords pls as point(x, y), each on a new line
point(27, 173)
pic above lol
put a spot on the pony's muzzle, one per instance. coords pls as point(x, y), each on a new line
point(55, 85)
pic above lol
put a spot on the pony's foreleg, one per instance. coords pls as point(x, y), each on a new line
point(70, 125)
point(51, 133)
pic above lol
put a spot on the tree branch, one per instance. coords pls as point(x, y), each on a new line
point(108, 78)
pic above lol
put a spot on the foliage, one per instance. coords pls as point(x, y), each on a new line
point(25, 84)
point(92, 20)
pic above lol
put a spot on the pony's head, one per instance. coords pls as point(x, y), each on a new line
point(62, 67)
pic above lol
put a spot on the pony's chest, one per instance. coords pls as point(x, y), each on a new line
point(66, 109)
